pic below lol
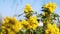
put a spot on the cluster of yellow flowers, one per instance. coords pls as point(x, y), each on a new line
point(10, 26)
point(52, 29)
point(28, 11)
point(28, 8)
point(50, 7)
point(25, 23)
point(31, 23)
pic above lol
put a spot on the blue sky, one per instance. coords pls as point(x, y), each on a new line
point(11, 7)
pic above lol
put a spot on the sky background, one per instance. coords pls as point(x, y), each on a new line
point(12, 7)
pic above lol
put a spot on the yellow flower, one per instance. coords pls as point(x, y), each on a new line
point(47, 31)
point(50, 7)
point(12, 26)
point(33, 22)
point(51, 10)
point(17, 27)
point(28, 8)
point(52, 29)
point(30, 23)
point(6, 20)
point(11, 31)
point(25, 23)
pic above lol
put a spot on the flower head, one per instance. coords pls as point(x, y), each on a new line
point(50, 7)
point(28, 8)
point(11, 24)
point(52, 29)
